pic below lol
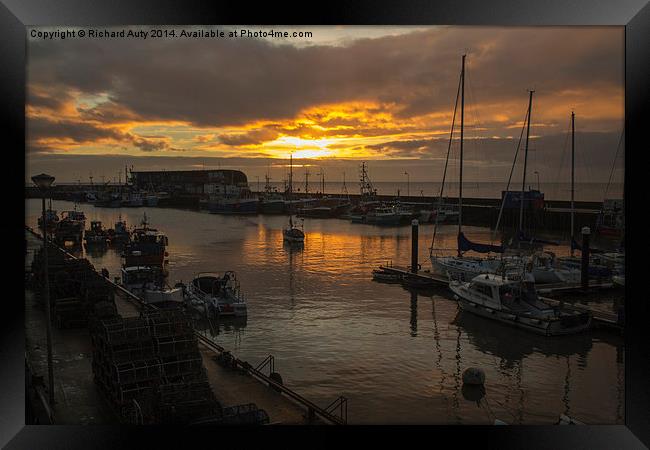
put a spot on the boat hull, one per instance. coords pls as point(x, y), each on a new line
point(235, 207)
point(272, 207)
point(535, 325)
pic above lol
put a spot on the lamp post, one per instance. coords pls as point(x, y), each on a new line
point(538, 185)
point(43, 182)
point(408, 184)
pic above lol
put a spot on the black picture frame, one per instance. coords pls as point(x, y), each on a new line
point(15, 15)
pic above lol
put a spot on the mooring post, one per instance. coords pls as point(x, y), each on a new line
point(584, 275)
point(414, 246)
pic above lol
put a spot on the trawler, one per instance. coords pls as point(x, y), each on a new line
point(120, 234)
point(147, 247)
point(96, 236)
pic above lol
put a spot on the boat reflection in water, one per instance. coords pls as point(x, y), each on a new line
point(512, 344)
point(215, 326)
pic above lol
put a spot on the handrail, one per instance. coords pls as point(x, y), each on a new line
point(312, 407)
point(293, 395)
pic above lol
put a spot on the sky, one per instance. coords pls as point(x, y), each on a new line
point(384, 95)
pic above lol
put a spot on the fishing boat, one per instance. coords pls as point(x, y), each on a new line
point(147, 247)
point(516, 303)
point(148, 283)
point(271, 201)
point(219, 294)
point(96, 235)
point(74, 216)
point(243, 204)
point(51, 218)
point(109, 200)
point(384, 215)
point(444, 214)
point(132, 200)
point(120, 234)
point(610, 221)
point(292, 233)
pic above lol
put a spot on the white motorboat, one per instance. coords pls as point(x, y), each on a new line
point(516, 303)
point(219, 294)
point(464, 267)
point(147, 283)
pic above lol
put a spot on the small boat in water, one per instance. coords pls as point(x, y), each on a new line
point(121, 234)
point(96, 236)
point(516, 303)
point(148, 283)
point(219, 294)
point(386, 276)
point(293, 233)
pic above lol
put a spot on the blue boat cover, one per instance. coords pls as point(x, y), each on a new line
point(465, 244)
point(523, 238)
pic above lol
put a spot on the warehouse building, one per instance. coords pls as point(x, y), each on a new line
point(196, 182)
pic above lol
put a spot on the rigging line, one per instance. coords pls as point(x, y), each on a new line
point(444, 175)
point(564, 152)
point(618, 147)
point(512, 169)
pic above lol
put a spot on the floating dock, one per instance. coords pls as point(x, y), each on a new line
point(600, 318)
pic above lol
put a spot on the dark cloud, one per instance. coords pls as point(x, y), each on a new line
point(85, 133)
point(248, 138)
point(79, 132)
point(229, 82)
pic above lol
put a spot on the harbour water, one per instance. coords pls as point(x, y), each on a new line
point(398, 356)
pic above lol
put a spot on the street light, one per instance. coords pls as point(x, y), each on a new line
point(44, 182)
point(408, 184)
point(538, 186)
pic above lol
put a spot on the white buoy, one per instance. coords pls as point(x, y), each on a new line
point(474, 376)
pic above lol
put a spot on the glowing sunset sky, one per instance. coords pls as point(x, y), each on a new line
point(380, 94)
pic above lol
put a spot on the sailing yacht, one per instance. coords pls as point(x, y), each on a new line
point(460, 266)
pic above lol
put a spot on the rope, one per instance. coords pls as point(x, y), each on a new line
point(444, 175)
point(512, 169)
point(614, 163)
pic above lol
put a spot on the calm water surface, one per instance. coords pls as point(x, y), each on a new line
point(397, 356)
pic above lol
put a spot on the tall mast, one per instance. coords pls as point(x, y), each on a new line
point(573, 149)
point(462, 126)
point(291, 175)
point(523, 179)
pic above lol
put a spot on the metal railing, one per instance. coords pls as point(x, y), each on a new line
point(313, 410)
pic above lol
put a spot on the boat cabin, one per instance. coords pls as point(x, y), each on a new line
point(214, 285)
point(77, 216)
point(139, 275)
point(497, 292)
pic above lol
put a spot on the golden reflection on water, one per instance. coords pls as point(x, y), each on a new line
point(398, 355)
